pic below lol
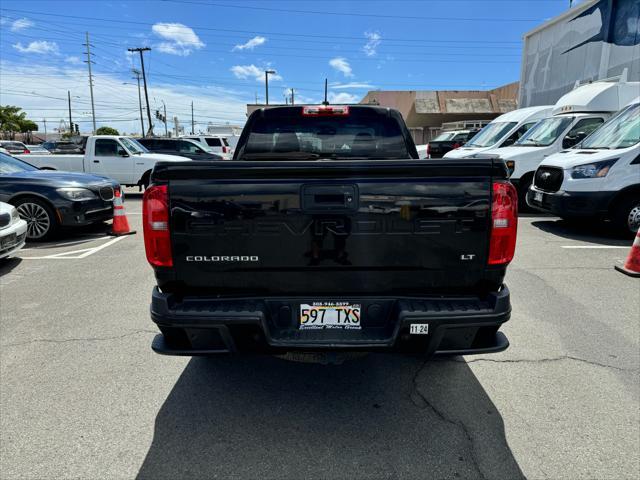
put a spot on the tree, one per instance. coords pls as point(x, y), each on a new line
point(12, 120)
point(107, 131)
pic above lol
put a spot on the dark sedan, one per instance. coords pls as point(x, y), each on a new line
point(49, 200)
point(179, 146)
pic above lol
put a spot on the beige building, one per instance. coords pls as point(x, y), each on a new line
point(426, 110)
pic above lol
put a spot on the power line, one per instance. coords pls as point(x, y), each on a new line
point(352, 14)
point(253, 32)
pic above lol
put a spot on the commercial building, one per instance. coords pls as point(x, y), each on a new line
point(594, 40)
point(426, 110)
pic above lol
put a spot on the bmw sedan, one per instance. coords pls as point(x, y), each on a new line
point(50, 200)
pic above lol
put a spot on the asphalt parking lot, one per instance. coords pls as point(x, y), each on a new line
point(83, 396)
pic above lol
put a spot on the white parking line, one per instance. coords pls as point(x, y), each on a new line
point(76, 254)
point(75, 242)
point(598, 247)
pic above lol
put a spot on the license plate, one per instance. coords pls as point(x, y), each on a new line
point(330, 315)
point(537, 196)
point(419, 329)
point(9, 241)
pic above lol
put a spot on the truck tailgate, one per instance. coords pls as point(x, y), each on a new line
point(330, 227)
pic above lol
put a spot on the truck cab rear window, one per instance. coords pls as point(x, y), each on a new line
point(291, 136)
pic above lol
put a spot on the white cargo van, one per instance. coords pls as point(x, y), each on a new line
point(574, 116)
point(502, 132)
point(600, 178)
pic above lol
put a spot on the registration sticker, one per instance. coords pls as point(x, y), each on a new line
point(330, 315)
point(419, 329)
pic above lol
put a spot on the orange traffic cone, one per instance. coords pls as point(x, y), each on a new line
point(120, 223)
point(632, 265)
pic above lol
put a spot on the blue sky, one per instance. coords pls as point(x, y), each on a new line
point(213, 52)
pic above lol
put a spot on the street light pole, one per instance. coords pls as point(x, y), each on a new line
point(70, 121)
point(266, 84)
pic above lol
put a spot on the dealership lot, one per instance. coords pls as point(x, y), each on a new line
point(83, 395)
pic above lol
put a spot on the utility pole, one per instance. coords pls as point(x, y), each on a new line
point(146, 93)
point(70, 121)
point(266, 84)
point(293, 97)
point(137, 74)
point(44, 120)
point(193, 124)
point(88, 61)
point(166, 131)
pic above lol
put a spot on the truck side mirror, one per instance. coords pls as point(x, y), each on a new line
point(122, 152)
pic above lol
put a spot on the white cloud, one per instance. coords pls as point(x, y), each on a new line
point(41, 90)
point(179, 39)
point(250, 44)
point(345, 86)
point(373, 40)
point(38, 46)
point(251, 71)
point(342, 97)
point(73, 60)
point(21, 24)
point(341, 65)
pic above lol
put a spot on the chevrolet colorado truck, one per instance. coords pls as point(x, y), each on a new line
point(326, 233)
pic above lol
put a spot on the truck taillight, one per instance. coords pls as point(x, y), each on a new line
point(504, 223)
point(26, 150)
point(456, 145)
point(325, 110)
point(428, 151)
point(155, 220)
point(225, 149)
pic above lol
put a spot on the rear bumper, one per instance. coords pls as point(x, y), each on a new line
point(206, 326)
point(570, 204)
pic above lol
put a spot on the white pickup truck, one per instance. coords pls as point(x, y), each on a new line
point(120, 158)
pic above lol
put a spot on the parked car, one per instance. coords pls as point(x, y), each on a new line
point(218, 143)
point(325, 233)
point(179, 146)
point(599, 178)
point(574, 116)
point(422, 150)
point(118, 157)
point(38, 149)
point(447, 141)
point(62, 147)
point(13, 230)
point(50, 200)
point(502, 132)
point(14, 147)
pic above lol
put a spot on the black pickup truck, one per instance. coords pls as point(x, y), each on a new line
point(327, 233)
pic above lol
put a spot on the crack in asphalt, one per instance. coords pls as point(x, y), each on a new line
point(82, 339)
point(545, 360)
point(425, 403)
